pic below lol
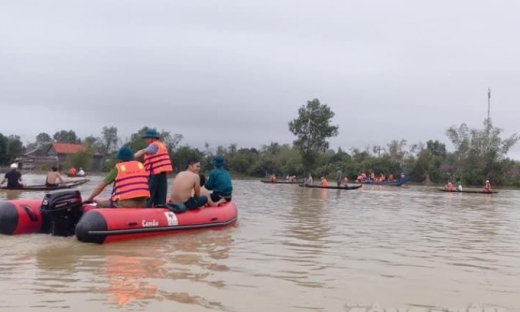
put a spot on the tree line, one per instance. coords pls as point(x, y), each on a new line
point(479, 154)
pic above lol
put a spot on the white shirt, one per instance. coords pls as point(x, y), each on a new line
point(459, 188)
point(81, 172)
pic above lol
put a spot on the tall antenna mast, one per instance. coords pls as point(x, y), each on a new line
point(489, 100)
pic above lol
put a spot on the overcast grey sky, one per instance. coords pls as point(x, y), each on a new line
point(237, 71)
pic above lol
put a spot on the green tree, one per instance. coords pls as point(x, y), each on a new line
point(429, 161)
point(83, 158)
point(43, 139)
point(312, 128)
point(14, 147)
point(64, 136)
point(479, 152)
point(109, 140)
point(4, 143)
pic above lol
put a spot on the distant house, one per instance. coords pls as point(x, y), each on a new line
point(63, 150)
point(55, 153)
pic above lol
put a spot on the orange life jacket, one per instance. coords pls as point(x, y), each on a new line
point(324, 182)
point(159, 162)
point(72, 171)
point(131, 181)
point(450, 186)
point(488, 186)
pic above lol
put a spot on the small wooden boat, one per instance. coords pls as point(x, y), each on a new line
point(280, 182)
point(333, 187)
point(43, 187)
point(75, 175)
point(468, 191)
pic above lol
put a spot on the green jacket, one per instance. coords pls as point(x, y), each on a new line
point(219, 181)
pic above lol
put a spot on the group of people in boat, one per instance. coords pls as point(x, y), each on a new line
point(362, 177)
point(144, 184)
point(73, 173)
point(14, 178)
point(341, 179)
point(451, 187)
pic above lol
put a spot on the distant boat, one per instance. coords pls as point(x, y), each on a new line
point(397, 182)
point(280, 182)
point(468, 191)
point(43, 187)
point(76, 175)
point(347, 187)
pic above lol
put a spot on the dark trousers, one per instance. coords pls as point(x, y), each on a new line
point(158, 185)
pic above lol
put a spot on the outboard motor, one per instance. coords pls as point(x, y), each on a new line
point(62, 209)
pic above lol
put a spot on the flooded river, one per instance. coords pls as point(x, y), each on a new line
point(293, 249)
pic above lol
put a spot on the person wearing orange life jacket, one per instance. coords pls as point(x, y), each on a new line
point(324, 182)
point(130, 183)
point(158, 164)
point(449, 186)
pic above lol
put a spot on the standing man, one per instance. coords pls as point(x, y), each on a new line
point(158, 164)
point(339, 176)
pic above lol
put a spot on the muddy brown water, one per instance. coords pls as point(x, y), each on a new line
point(293, 249)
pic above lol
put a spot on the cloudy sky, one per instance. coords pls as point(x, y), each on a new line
point(237, 71)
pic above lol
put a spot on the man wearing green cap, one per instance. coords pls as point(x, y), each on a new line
point(158, 164)
point(130, 183)
point(219, 181)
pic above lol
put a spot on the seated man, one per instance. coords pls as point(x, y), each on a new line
point(309, 180)
point(324, 181)
point(13, 177)
point(219, 181)
point(81, 173)
point(130, 180)
point(186, 187)
point(52, 177)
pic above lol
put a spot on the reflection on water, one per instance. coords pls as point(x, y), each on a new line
point(293, 249)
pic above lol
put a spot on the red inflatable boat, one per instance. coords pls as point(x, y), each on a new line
point(62, 213)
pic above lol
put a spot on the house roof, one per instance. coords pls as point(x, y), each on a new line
point(34, 151)
point(67, 148)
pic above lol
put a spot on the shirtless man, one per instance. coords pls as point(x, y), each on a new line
point(186, 187)
point(52, 176)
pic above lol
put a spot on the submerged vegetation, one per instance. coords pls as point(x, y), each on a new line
point(478, 155)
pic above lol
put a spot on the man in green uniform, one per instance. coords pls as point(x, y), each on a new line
point(219, 181)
